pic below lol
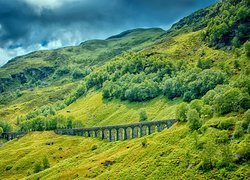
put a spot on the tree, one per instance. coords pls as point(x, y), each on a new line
point(181, 112)
point(1, 130)
point(77, 73)
point(5, 126)
point(228, 101)
point(197, 105)
point(206, 111)
point(69, 124)
point(193, 119)
point(143, 115)
point(172, 88)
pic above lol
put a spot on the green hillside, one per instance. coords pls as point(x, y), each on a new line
point(196, 72)
point(172, 154)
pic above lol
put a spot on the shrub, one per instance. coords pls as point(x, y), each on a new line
point(62, 71)
point(172, 88)
point(207, 111)
point(238, 131)
point(81, 90)
point(243, 152)
point(1, 130)
point(144, 142)
point(205, 63)
point(227, 158)
point(77, 124)
point(46, 163)
point(8, 167)
point(142, 91)
point(193, 119)
point(208, 156)
point(37, 167)
point(143, 115)
point(247, 48)
point(94, 147)
point(246, 119)
point(222, 137)
point(181, 112)
point(227, 124)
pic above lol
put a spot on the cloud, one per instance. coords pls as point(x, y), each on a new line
point(47, 4)
point(26, 24)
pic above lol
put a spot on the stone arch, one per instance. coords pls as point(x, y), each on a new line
point(119, 134)
point(113, 134)
point(85, 133)
point(152, 128)
point(143, 130)
point(129, 132)
point(161, 127)
point(105, 133)
point(135, 131)
point(97, 133)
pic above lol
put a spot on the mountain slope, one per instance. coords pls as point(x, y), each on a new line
point(25, 70)
point(178, 74)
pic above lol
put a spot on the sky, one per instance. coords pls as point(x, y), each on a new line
point(31, 25)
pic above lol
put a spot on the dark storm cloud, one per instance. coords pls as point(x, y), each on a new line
point(24, 23)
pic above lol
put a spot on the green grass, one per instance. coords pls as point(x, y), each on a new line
point(171, 154)
point(93, 110)
point(33, 99)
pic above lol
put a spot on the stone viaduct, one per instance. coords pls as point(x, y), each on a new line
point(111, 133)
point(11, 135)
point(120, 132)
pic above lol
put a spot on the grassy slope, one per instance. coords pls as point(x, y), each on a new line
point(93, 110)
point(171, 154)
point(32, 99)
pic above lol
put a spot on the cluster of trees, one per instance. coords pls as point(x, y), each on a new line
point(73, 96)
point(50, 110)
point(135, 78)
point(225, 99)
point(192, 84)
point(230, 26)
point(5, 127)
point(142, 91)
point(141, 77)
point(222, 100)
point(42, 123)
point(45, 111)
